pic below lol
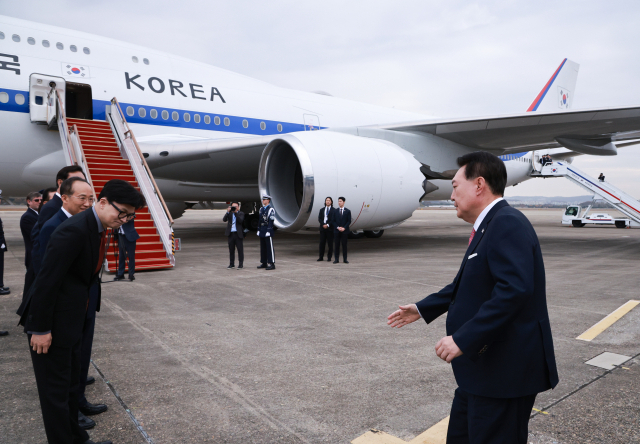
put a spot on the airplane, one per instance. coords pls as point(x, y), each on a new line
point(212, 135)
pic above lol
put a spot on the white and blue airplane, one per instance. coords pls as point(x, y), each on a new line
point(213, 135)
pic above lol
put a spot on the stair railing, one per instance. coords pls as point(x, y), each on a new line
point(131, 150)
point(72, 147)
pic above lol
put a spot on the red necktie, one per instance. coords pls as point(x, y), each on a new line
point(471, 237)
point(103, 244)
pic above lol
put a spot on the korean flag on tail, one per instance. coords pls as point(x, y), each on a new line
point(563, 98)
point(75, 70)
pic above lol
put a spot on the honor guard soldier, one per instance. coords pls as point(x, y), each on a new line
point(265, 231)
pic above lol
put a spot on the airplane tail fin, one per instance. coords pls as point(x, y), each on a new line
point(558, 93)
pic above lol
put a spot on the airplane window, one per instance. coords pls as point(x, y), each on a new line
point(86, 50)
point(165, 114)
point(279, 127)
point(4, 97)
point(216, 120)
point(1, 35)
point(207, 119)
point(187, 117)
point(175, 115)
point(142, 112)
point(146, 61)
point(31, 41)
point(45, 43)
point(227, 122)
point(19, 99)
point(135, 59)
point(73, 48)
point(263, 126)
point(196, 118)
point(130, 110)
point(153, 114)
point(245, 123)
point(59, 46)
point(16, 38)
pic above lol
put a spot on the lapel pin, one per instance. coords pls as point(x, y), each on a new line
point(482, 230)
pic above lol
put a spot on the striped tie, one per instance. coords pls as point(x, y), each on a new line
point(471, 237)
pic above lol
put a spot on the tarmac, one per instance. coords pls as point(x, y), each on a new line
point(302, 354)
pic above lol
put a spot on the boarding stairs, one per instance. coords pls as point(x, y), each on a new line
point(614, 196)
point(108, 150)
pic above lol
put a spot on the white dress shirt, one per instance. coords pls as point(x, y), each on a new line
point(326, 215)
point(484, 212)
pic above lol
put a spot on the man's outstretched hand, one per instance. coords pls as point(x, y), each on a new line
point(447, 350)
point(405, 315)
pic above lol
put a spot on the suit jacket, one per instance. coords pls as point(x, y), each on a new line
point(266, 220)
point(498, 310)
point(130, 232)
point(60, 293)
point(332, 212)
point(46, 212)
point(27, 221)
point(45, 234)
point(342, 221)
point(2, 239)
point(228, 218)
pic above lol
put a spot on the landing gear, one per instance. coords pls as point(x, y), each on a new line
point(356, 234)
point(375, 234)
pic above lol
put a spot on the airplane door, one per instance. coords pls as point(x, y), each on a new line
point(42, 107)
point(311, 122)
point(535, 158)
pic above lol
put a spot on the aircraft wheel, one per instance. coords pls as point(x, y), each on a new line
point(251, 221)
point(374, 234)
point(356, 234)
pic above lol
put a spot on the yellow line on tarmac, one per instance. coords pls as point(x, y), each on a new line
point(541, 411)
point(608, 321)
point(436, 434)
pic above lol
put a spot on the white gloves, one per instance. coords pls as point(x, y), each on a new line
point(267, 235)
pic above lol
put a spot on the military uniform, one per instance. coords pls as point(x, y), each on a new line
point(267, 217)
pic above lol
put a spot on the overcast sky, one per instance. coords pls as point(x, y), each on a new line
point(443, 58)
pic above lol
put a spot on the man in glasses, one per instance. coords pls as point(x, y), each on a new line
point(60, 295)
point(27, 221)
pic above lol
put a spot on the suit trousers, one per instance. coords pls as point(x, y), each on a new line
point(57, 378)
point(235, 241)
point(87, 341)
point(267, 256)
point(341, 238)
point(126, 248)
point(326, 237)
point(481, 420)
point(1, 268)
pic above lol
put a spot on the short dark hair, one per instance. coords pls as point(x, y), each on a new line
point(235, 203)
point(32, 195)
point(63, 174)
point(329, 197)
point(66, 188)
point(123, 192)
point(488, 166)
point(46, 192)
point(342, 199)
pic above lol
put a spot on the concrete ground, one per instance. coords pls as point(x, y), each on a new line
point(303, 353)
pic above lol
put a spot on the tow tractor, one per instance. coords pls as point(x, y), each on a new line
point(572, 217)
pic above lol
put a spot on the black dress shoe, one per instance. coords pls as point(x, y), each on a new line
point(4, 333)
point(132, 278)
point(4, 290)
point(320, 260)
point(93, 409)
point(335, 262)
point(119, 278)
point(345, 262)
point(231, 266)
point(328, 259)
point(90, 380)
point(84, 422)
point(88, 441)
point(271, 267)
point(262, 266)
point(240, 266)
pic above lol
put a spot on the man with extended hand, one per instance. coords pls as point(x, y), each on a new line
point(498, 334)
point(59, 301)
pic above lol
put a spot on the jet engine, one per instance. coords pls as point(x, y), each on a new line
point(380, 181)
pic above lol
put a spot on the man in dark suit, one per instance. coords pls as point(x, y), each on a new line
point(3, 248)
point(27, 221)
point(498, 334)
point(46, 212)
point(127, 237)
point(59, 298)
point(234, 219)
point(325, 219)
point(341, 223)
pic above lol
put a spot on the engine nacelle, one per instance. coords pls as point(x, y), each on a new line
point(380, 181)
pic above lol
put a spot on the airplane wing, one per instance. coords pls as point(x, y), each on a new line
point(585, 131)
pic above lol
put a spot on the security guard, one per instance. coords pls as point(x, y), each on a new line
point(265, 231)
